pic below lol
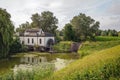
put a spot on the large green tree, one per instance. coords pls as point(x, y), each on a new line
point(69, 32)
point(6, 32)
point(36, 20)
point(47, 21)
point(84, 26)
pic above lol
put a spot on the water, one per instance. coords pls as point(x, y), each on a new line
point(28, 61)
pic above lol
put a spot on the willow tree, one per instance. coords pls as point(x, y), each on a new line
point(6, 32)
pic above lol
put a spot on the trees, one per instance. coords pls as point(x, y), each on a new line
point(6, 32)
point(47, 21)
point(109, 32)
point(104, 33)
point(36, 20)
point(119, 33)
point(68, 32)
point(16, 46)
point(23, 26)
point(84, 26)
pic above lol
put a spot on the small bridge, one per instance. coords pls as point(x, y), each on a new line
point(75, 46)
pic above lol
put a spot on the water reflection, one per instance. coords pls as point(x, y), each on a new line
point(28, 61)
point(33, 60)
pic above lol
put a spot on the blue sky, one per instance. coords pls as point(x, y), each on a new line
point(107, 12)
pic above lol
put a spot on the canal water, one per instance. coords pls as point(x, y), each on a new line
point(28, 61)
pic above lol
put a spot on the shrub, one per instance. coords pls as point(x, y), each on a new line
point(63, 46)
point(17, 47)
point(37, 73)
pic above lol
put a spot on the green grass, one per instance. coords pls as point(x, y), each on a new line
point(100, 61)
point(102, 65)
point(63, 46)
point(92, 47)
point(5, 65)
point(107, 38)
point(38, 73)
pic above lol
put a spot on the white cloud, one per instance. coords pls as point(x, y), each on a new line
point(109, 22)
point(114, 8)
point(64, 10)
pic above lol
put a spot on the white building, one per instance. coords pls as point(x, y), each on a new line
point(36, 37)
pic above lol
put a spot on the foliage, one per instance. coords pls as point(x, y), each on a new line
point(58, 36)
point(84, 26)
point(63, 46)
point(104, 33)
point(6, 32)
point(107, 38)
point(108, 32)
point(69, 33)
point(119, 33)
point(102, 65)
point(23, 27)
point(7, 64)
point(16, 46)
point(47, 21)
point(37, 73)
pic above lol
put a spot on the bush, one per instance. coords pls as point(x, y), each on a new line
point(17, 47)
point(37, 73)
point(63, 46)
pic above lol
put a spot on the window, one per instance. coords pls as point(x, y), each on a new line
point(28, 40)
point(32, 40)
point(40, 41)
point(22, 42)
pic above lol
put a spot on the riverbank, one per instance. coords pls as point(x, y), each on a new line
point(8, 64)
point(102, 65)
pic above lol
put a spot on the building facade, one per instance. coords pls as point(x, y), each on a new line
point(37, 37)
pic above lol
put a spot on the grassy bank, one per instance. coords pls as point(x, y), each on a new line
point(7, 64)
point(107, 38)
point(93, 47)
point(103, 65)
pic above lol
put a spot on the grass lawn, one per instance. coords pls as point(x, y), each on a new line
point(93, 47)
point(100, 61)
point(102, 65)
point(107, 38)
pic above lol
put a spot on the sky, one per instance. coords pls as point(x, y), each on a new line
point(107, 12)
